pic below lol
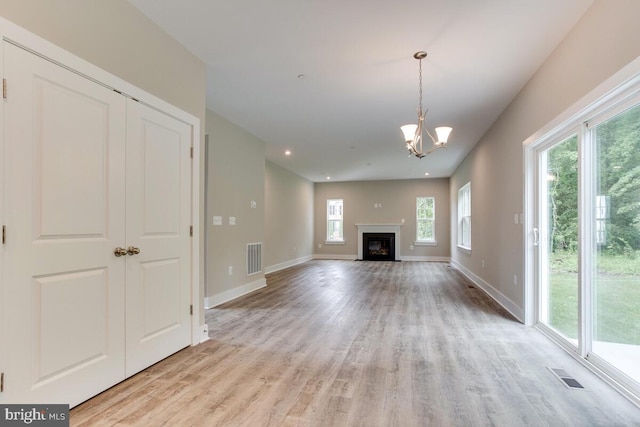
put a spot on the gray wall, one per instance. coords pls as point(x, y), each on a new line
point(605, 39)
point(288, 218)
point(116, 37)
point(235, 173)
point(398, 200)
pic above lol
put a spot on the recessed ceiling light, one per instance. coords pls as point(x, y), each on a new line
point(287, 153)
point(328, 177)
point(302, 76)
point(426, 174)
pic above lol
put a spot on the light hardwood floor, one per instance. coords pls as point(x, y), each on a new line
point(344, 343)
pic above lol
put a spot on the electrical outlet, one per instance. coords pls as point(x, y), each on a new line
point(515, 279)
point(230, 270)
point(319, 245)
point(410, 247)
point(482, 263)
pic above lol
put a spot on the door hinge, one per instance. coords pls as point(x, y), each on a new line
point(4, 235)
point(1, 382)
point(4, 88)
point(192, 152)
point(190, 231)
point(191, 309)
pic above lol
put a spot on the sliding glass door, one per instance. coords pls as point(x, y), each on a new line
point(587, 238)
point(559, 232)
point(615, 275)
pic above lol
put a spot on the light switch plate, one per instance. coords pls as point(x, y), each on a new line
point(217, 220)
point(232, 220)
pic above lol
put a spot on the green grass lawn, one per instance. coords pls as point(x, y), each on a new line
point(616, 298)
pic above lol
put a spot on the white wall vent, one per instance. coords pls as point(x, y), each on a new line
point(254, 258)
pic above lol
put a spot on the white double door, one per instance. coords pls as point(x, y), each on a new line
point(88, 170)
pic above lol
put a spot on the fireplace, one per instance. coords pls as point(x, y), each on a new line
point(393, 229)
point(378, 247)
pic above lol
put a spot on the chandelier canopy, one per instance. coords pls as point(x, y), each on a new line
point(413, 133)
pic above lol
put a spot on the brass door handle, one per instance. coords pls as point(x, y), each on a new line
point(119, 252)
point(132, 250)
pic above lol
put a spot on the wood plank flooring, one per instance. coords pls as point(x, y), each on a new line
point(344, 343)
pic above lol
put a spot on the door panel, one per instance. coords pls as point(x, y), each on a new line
point(160, 286)
point(64, 300)
point(558, 250)
point(616, 247)
point(67, 127)
point(60, 320)
point(158, 212)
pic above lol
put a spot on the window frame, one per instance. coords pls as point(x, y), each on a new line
point(464, 218)
point(426, 242)
point(339, 218)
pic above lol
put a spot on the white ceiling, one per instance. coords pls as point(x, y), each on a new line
point(361, 80)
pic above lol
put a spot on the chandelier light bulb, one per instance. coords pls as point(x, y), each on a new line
point(409, 132)
point(442, 133)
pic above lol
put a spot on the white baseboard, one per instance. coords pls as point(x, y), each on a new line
point(495, 294)
point(426, 258)
point(402, 258)
point(287, 264)
point(231, 294)
point(329, 256)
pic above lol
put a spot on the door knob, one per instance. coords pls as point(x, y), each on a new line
point(132, 250)
point(119, 251)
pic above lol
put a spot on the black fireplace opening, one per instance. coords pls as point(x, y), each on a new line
point(378, 246)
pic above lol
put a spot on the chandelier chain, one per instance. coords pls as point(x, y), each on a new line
point(420, 96)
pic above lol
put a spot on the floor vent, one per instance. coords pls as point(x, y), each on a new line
point(254, 258)
point(566, 379)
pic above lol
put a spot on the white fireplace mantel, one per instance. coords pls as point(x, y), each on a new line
point(379, 228)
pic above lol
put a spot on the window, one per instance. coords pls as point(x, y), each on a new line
point(425, 220)
point(602, 215)
point(464, 216)
point(334, 220)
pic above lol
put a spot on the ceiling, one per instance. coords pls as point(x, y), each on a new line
point(333, 81)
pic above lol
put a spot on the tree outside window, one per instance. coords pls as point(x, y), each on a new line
point(425, 219)
point(334, 220)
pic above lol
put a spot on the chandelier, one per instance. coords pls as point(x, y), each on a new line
point(413, 133)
